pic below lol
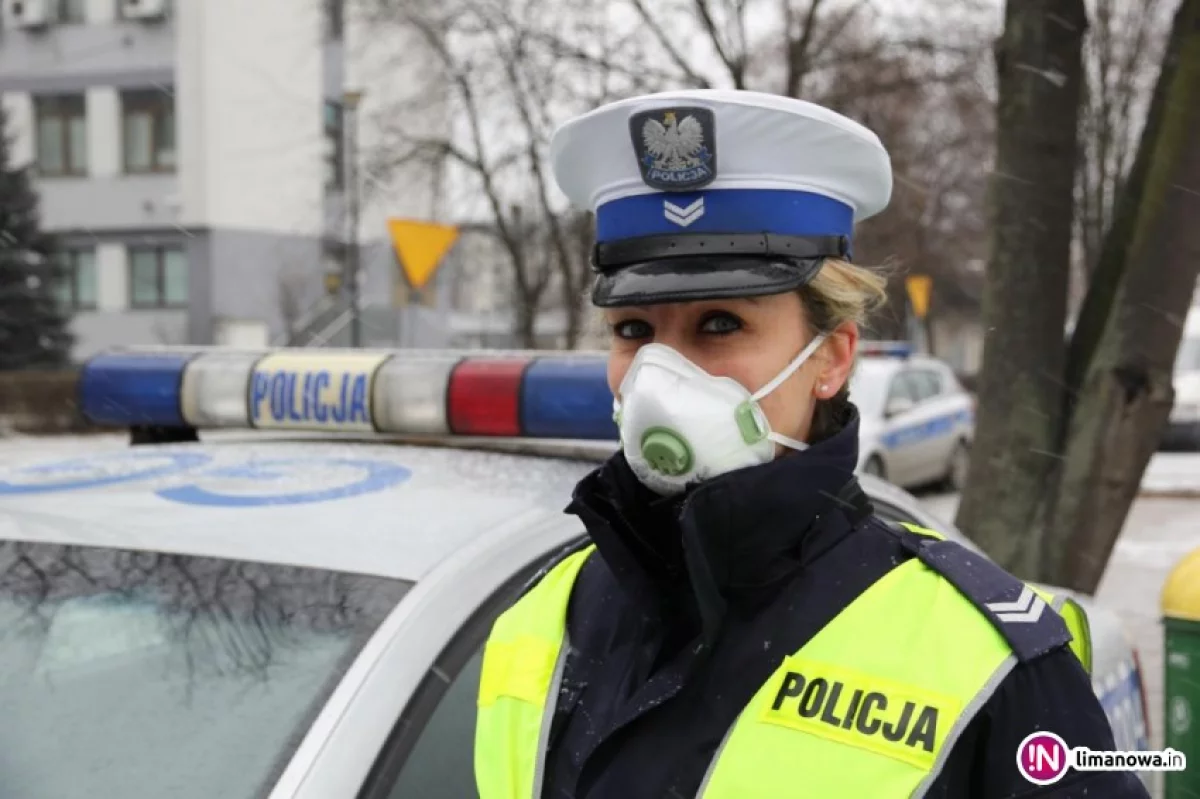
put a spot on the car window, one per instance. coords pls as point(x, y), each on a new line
point(441, 764)
point(902, 387)
point(141, 675)
point(949, 382)
point(431, 754)
point(927, 383)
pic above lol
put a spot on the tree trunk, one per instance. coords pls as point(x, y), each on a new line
point(1040, 72)
point(526, 324)
point(1127, 393)
point(1106, 279)
point(573, 312)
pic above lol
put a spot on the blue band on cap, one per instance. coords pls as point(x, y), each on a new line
point(783, 213)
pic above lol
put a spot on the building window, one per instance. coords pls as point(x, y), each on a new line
point(335, 18)
point(148, 130)
point(75, 286)
point(61, 135)
point(72, 11)
point(334, 146)
point(158, 277)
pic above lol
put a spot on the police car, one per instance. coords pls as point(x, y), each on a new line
point(298, 609)
point(917, 420)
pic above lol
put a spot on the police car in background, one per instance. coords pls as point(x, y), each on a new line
point(298, 610)
point(918, 421)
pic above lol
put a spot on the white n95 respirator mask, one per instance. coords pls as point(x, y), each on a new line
point(680, 425)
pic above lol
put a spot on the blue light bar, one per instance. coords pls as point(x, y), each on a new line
point(535, 395)
point(133, 389)
point(892, 349)
point(567, 397)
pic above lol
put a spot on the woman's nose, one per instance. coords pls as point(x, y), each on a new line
point(675, 338)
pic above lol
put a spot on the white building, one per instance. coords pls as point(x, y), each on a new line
point(189, 157)
point(182, 173)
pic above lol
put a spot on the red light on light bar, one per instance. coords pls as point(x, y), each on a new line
point(483, 398)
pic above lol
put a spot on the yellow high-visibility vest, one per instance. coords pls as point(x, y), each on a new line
point(871, 706)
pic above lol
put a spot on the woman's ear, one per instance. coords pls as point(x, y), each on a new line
point(840, 348)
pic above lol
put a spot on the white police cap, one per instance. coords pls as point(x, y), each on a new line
point(711, 194)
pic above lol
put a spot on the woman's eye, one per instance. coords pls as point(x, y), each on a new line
point(632, 329)
point(721, 324)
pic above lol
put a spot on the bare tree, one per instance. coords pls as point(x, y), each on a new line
point(511, 72)
point(916, 78)
point(1119, 388)
point(1122, 51)
point(516, 70)
point(1040, 69)
point(1065, 432)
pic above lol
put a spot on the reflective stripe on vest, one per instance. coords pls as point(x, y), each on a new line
point(1071, 611)
point(522, 667)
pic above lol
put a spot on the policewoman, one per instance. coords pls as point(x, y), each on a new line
point(740, 624)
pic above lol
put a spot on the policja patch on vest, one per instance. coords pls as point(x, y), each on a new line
point(676, 148)
point(880, 715)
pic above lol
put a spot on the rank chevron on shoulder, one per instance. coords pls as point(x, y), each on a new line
point(1026, 609)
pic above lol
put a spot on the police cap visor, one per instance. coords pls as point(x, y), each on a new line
point(701, 278)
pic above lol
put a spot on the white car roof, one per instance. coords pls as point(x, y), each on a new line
point(317, 502)
point(380, 509)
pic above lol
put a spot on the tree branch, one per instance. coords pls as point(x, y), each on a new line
point(668, 46)
point(798, 49)
point(735, 64)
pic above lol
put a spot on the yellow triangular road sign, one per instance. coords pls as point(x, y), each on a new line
point(919, 287)
point(420, 246)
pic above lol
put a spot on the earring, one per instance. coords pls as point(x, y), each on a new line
point(824, 388)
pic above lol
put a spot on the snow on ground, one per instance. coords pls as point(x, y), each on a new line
point(1173, 473)
point(1157, 534)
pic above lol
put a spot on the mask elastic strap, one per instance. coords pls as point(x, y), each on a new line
point(789, 369)
point(787, 442)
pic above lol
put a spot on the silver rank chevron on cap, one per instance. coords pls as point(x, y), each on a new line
point(1027, 608)
point(683, 215)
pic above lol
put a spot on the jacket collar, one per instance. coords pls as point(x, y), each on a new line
point(728, 541)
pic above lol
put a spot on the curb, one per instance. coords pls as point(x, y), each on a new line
point(1169, 493)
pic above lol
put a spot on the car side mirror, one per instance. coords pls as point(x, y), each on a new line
point(897, 406)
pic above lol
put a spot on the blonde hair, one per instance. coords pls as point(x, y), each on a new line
point(840, 292)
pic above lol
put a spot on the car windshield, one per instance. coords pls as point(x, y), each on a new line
point(869, 386)
point(1188, 358)
point(141, 675)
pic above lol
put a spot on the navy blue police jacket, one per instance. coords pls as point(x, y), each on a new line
point(694, 601)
